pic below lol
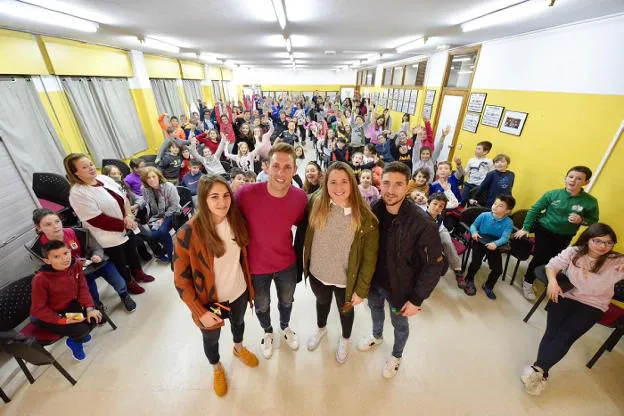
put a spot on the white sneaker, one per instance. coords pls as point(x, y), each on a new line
point(527, 291)
point(266, 345)
point(392, 367)
point(369, 342)
point(291, 339)
point(526, 374)
point(343, 350)
point(534, 383)
point(315, 340)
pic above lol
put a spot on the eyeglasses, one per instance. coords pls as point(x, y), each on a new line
point(602, 243)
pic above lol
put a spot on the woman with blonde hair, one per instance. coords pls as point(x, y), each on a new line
point(340, 251)
point(211, 273)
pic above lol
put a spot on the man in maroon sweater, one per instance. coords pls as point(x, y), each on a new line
point(60, 298)
point(272, 208)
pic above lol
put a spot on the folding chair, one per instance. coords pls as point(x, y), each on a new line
point(119, 164)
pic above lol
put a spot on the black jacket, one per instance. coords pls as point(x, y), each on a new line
point(415, 261)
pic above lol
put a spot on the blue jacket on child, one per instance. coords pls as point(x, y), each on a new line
point(487, 225)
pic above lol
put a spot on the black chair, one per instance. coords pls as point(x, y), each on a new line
point(15, 309)
point(520, 249)
point(611, 342)
point(150, 160)
point(467, 217)
point(55, 188)
point(119, 164)
point(540, 274)
point(518, 218)
point(188, 208)
point(4, 396)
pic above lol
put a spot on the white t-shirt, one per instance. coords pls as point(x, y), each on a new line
point(229, 278)
point(90, 201)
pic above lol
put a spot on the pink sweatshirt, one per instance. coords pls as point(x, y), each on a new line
point(593, 289)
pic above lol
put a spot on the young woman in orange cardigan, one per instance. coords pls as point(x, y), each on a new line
point(211, 272)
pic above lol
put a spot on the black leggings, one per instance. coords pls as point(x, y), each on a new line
point(77, 332)
point(124, 256)
point(566, 322)
point(547, 246)
point(495, 261)
point(323, 295)
point(237, 324)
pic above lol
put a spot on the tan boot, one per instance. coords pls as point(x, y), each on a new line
point(220, 383)
point(247, 357)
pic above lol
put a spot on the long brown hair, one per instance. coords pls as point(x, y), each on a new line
point(306, 183)
point(70, 167)
point(206, 226)
point(321, 207)
point(595, 230)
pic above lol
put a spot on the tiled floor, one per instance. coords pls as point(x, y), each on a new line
point(464, 357)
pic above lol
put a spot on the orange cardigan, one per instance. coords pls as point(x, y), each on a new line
point(179, 132)
point(194, 271)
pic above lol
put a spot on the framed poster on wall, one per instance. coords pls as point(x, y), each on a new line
point(513, 122)
point(471, 122)
point(411, 108)
point(427, 111)
point(414, 96)
point(492, 115)
point(430, 97)
point(476, 102)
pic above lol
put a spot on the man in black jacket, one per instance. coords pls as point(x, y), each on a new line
point(409, 263)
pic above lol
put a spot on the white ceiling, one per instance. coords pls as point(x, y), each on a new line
point(246, 31)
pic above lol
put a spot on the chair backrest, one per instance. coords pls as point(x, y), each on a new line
point(518, 217)
point(149, 158)
point(468, 216)
point(619, 291)
point(521, 248)
point(186, 197)
point(120, 164)
point(15, 303)
point(34, 249)
point(51, 187)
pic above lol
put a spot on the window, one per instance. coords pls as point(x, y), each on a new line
point(411, 70)
point(461, 70)
point(387, 76)
point(370, 77)
point(167, 96)
point(397, 75)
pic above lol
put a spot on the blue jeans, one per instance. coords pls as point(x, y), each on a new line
point(111, 275)
point(162, 235)
point(376, 298)
point(285, 282)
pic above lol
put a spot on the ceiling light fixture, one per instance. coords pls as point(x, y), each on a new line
point(415, 44)
point(330, 52)
point(47, 16)
point(373, 57)
point(506, 15)
point(464, 72)
point(209, 57)
point(230, 64)
point(159, 45)
point(442, 47)
point(280, 12)
point(462, 59)
point(288, 44)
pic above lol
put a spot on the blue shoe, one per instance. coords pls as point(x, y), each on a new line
point(164, 259)
point(489, 292)
point(76, 349)
point(86, 339)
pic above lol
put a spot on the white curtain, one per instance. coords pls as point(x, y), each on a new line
point(106, 115)
point(26, 129)
point(193, 92)
point(167, 96)
point(216, 90)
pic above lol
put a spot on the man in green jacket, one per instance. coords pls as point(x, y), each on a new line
point(557, 216)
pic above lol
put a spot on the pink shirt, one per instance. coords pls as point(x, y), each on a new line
point(270, 222)
point(593, 289)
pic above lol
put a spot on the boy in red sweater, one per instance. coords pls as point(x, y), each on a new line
point(61, 300)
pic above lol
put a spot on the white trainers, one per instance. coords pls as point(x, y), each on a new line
point(527, 291)
point(315, 340)
point(392, 367)
point(534, 381)
point(266, 345)
point(343, 350)
point(291, 339)
point(369, 342)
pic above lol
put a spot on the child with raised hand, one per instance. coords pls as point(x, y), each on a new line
point(490, 231)
point(500, 181)
point(424, 157)
point(557, 216)
point(210, 161)
point(171, 162)
point(60, 299)
point(368, 191)
point(244, 159)
point(477, 168)
point(437, 203)
point(447, 181)
point(358, 136)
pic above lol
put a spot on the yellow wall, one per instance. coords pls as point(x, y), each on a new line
point(208, 96)
point(562, 130)
point(226, 74)
point(69, 57)
point(60, 113)
point(192, 70)
point(214, 73)
point(148, 115)
point(20, 54)
point(161, 67)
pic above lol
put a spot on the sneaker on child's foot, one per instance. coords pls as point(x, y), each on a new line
point(342, 352)
point(290, 337)
point(392, 367)
point(470, 288)
point(527, 291)
point(315, 339)
point(219, 383)
point(488, 292)
point(461, 280)
point(266, 345)
point(534, 381)
point(369, 342)
point(247, 357)
point(128, 303)
point(76, 349)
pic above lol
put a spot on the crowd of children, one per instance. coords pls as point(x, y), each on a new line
point(229, 147)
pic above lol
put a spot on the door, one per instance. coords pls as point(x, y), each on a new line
point(450, 113)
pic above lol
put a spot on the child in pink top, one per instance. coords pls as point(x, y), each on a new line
point(593, 268)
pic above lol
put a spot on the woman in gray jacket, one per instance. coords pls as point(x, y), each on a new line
point(162, 202)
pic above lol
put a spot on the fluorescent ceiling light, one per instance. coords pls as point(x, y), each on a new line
point(507, 15)
point(464, 72)
point(288, 44)
point(356, 52)
point(46, 16)
point(462, 59)
point(160, 45)
point(418, 43)
point(280, 12)
point(292, 58)
point(209, 57)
